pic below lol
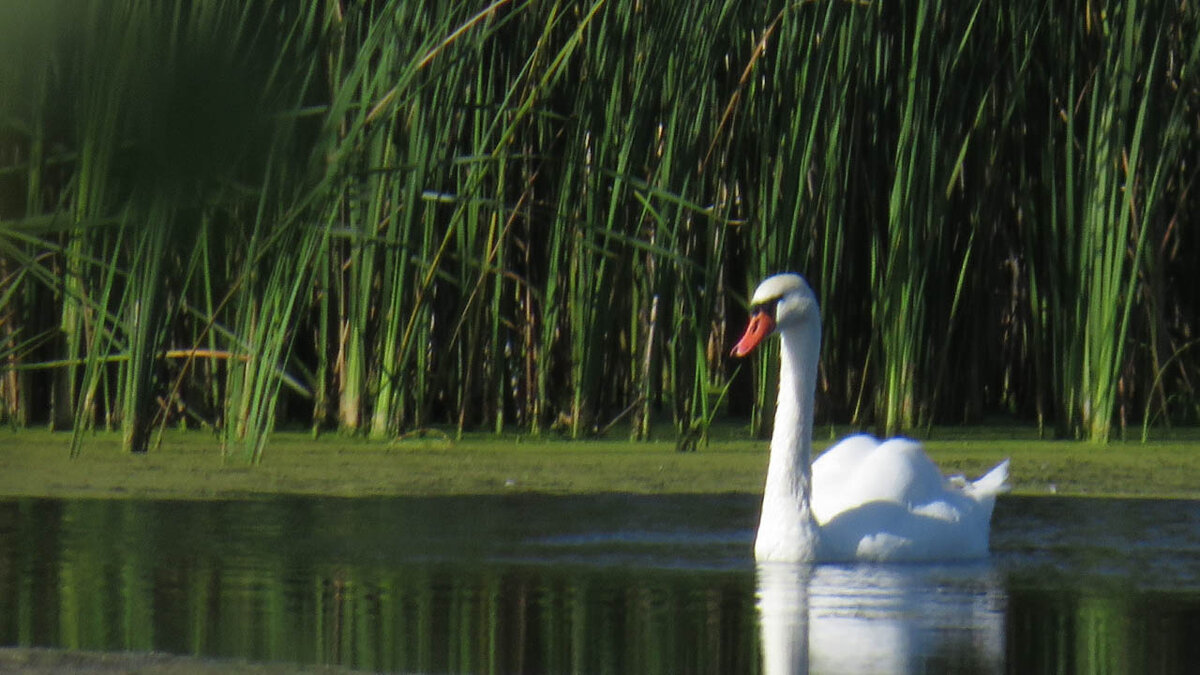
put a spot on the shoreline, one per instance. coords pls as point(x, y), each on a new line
point(189, 465)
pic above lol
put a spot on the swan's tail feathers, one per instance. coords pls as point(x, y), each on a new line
point(993, 482)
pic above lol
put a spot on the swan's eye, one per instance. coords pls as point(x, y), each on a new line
point(767, 308)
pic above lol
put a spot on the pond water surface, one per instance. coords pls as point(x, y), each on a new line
point(595, 584)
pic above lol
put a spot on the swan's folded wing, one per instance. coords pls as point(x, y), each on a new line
point(861, 470)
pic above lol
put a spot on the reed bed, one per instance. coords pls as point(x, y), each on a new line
point(545, 217)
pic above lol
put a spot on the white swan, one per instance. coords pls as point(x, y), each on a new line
point(862, 499)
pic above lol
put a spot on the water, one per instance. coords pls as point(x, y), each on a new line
point(602, 584)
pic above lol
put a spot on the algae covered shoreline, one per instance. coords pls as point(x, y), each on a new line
point(189, 465)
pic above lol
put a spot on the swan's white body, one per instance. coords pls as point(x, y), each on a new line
point(862, 499)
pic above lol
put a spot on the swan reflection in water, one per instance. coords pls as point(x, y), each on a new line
point(868, 618)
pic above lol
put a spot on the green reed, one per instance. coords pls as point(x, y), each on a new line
point(1117, 162)
point(545, 216)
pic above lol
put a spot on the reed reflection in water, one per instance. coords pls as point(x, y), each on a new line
point(607, 583)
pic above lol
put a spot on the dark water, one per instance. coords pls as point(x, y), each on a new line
point(604, 584)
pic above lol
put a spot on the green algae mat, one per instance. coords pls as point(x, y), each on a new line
point(190, 465)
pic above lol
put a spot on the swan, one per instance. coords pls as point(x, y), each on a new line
point(862, 499)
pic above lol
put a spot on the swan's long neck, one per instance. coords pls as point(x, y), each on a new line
point(787, 530)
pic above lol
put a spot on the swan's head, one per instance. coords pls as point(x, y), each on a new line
point(779, 302)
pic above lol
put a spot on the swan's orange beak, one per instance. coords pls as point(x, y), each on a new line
point(761, 325)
